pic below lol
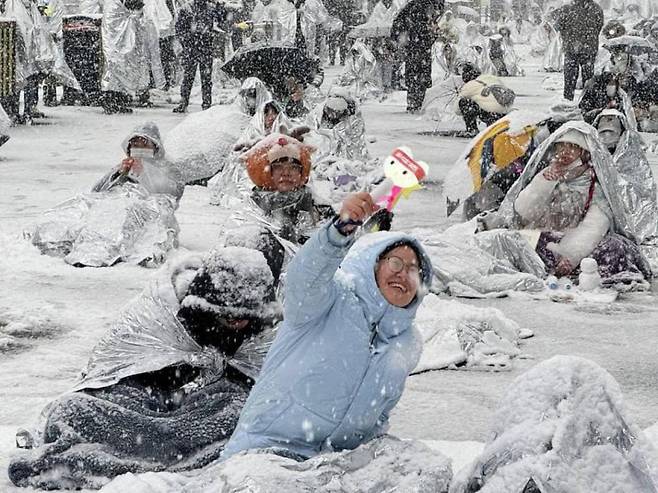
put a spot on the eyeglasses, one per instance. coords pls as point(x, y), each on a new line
point(397, 265)
point(288, 165)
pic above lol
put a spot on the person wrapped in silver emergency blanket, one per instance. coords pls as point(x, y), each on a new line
point(164, 388)
point(127, 217)
point(342, 163)
point(571, 202)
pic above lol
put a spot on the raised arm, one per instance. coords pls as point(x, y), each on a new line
point(310, 288)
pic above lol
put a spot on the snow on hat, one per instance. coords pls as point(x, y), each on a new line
point(259, 158)
point(573, 136)
point(233, 282)
point(336, 103)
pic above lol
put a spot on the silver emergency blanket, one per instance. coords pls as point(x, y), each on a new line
point(36, 50)
point(385, 464)
point(470, 47)
point(345, 139)
point(638, 187)
point(5, 123)
point(616, 188)
point(564, 425)
point(378, 24)
point(361, 76)
point(278, 19)
point(540, 39)
point(148, 337)
point(100, 229)
point(441, 100)
point(131, 50)
point(201, 145)
point(246, 104)
point(479, 266)
point(313, 14)
point(256, 129)
point(553, 60)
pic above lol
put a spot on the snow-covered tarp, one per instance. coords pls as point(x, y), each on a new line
point(564, 425)
point(100, 229)
point(202, 144)
point(384, 464)
point(459, 335)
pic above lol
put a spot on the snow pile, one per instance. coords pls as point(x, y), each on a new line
point(383, 464)
point(200, 145)
point(455, 334)
point(564, 425)
point(20, 330)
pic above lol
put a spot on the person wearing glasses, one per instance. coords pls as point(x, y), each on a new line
point(342, 354)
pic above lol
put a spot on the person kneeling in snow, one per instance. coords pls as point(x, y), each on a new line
point(145, 164)
point(163, 390)
point(341, 357)
point(279, 166)
point(570, 194)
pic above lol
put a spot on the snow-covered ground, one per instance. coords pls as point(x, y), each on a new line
point(51, 314)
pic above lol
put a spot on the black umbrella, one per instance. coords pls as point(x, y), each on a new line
point(271, 63)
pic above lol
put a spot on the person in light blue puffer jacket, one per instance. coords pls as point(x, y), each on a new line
point(347, 343)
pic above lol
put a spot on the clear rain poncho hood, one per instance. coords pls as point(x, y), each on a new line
point(150, 132)
point(607, 176)
point(638, 187)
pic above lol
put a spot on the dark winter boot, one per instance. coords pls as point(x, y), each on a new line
point(181, 108)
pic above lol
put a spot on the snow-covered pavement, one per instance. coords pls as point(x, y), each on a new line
point(70, 308)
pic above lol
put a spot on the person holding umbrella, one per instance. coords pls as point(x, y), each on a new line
point(413, 31)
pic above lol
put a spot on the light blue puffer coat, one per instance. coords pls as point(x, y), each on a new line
point(341, 356)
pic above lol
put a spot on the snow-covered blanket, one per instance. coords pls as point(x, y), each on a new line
point(100, 229)
point(384, 464)
point(335, 178)
point(143, 436)
point(459, 335)
point(563, 425)
point(477, 266)
point(203, 142)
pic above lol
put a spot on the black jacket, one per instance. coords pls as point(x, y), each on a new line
point(195, 24)
point(580, 24)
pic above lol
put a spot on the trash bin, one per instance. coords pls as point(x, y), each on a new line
point(83, 52)
point(8, 93)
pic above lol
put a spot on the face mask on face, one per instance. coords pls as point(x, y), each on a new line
point(610, 138)
point(142, 153)
point(611, 91)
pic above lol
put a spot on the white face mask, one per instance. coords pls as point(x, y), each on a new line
point(610, 138)
point(142, 153)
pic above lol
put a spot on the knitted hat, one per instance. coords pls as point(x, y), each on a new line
point(233, 282)
point(273, 147)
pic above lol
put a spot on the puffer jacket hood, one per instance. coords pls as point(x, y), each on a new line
point(149, 131)
point(357, 273)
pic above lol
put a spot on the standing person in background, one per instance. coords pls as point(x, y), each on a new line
point(413, 30)
point(194, 28)
point(579, 24)
point(346, 12)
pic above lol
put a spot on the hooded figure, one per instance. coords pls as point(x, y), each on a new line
point(361, 73)
point(638, 187)
point(553, 60)
point(339, 119)
point(269, 118)
point(163, 389)
point(342, 355)
point(279, 18)
point(569, 191)
point(131, 51)
point(253, 95)
point(153, 171)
